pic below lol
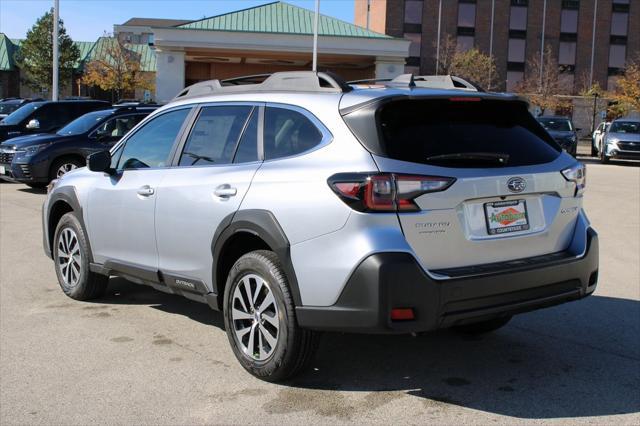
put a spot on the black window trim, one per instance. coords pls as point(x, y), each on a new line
point(185, 132)
point(327, 136)
point(185, 125)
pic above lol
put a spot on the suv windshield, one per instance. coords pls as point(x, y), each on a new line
point(84, 124)
point(557, 124)
point(450, 133)
point(625, 127)
point(9, 107)
point(21, 113)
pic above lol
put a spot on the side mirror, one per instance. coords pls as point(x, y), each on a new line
point(33, 124)
point(99, 162)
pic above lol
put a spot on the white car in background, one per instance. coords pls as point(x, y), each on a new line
point(597, 136)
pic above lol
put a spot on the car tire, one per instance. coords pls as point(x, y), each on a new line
point(603, 157)
point(594, 150)
point(64, 163)
point(38, 185)
point(72, 257)
point(483, 326)
point(259, 317)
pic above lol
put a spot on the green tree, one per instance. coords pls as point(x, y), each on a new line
point(35, 56)
point(471, 64)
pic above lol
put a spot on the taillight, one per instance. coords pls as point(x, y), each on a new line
point(578, 175)
point(385, 192)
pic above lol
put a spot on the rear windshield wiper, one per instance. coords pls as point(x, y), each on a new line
point(197, 157)
point(491, 157)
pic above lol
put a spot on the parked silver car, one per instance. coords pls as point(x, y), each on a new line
point(622, 140)
point(301, 204)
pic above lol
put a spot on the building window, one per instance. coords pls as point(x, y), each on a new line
point(571, 4)
point(567, 53)
point(464, 43)
point(467, 15)
point(617, 55)
point(416, 43)
point(569, 21)
point(619, 22)
point(513, 79)
point(516, 50)
point(518, 18)
point(413, 12)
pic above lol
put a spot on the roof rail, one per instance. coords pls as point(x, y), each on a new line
point(424, 81)
point(446, 82)
point(290, 81)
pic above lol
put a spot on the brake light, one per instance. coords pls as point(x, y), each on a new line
point(578, 175)
point(385, 192)
point(464, 99)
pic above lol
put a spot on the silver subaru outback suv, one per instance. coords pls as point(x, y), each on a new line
point(298, 203)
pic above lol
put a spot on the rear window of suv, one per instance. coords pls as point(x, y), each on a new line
point(465, 132)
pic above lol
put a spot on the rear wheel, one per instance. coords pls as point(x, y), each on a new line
point(483, 326)
point(603, 157)
point(259, 317)
point(594, 150)
point(71, 257)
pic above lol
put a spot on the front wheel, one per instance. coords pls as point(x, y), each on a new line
point(259, 317)
point(71, 257)
point(63, 166)
point(603, 156)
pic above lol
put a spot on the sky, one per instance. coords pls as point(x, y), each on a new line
point(86, 20)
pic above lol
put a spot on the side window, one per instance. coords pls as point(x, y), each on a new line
point(215, 135)
point(248, 147)
point(288, 132)
point(151, 145)
point(52, 116)
point(119, 126)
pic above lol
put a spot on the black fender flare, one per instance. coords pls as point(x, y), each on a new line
point(263, 224)
point(68, 195)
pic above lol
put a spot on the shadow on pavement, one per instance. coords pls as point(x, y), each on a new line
point(575, 360)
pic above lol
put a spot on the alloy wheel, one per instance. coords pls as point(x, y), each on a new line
point(255, 318)
point(65, 168)
point(69, 257)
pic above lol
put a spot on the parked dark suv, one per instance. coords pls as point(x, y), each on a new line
point(9, 105)
point(563, 131)
point(45, 117)
point(38, 159)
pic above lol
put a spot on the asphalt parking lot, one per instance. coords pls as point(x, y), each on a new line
point(142, 357)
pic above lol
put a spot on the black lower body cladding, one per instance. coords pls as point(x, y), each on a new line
point(386, 281)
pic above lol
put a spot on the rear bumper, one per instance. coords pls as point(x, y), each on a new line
point(384, 281)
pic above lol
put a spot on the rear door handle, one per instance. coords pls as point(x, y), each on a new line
point(225, 191)
point(146, 191)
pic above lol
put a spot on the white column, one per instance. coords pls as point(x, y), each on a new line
point(169, 74)
point(389, 67)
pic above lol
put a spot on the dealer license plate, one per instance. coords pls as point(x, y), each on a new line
point(506, 216)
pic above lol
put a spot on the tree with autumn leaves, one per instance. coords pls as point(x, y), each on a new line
point(117, 69)
point(627, 88)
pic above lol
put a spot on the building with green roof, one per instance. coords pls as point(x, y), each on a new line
point(268, 38)
point(272, 37)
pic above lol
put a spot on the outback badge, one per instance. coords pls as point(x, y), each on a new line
point(516, 184)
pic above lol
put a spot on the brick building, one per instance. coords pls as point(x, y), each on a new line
point(511, 31)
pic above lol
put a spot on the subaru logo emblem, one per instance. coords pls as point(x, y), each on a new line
point(516, 184)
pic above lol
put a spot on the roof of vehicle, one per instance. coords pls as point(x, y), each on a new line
point(554, 117)
point(632, 119)
point(295, 87)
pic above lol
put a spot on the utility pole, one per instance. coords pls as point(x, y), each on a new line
point(315, 37)
point(438, 40)
point(544, 20)
point(368, 12)
point(593, 41)
point(55, 84)
point(493, 11)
